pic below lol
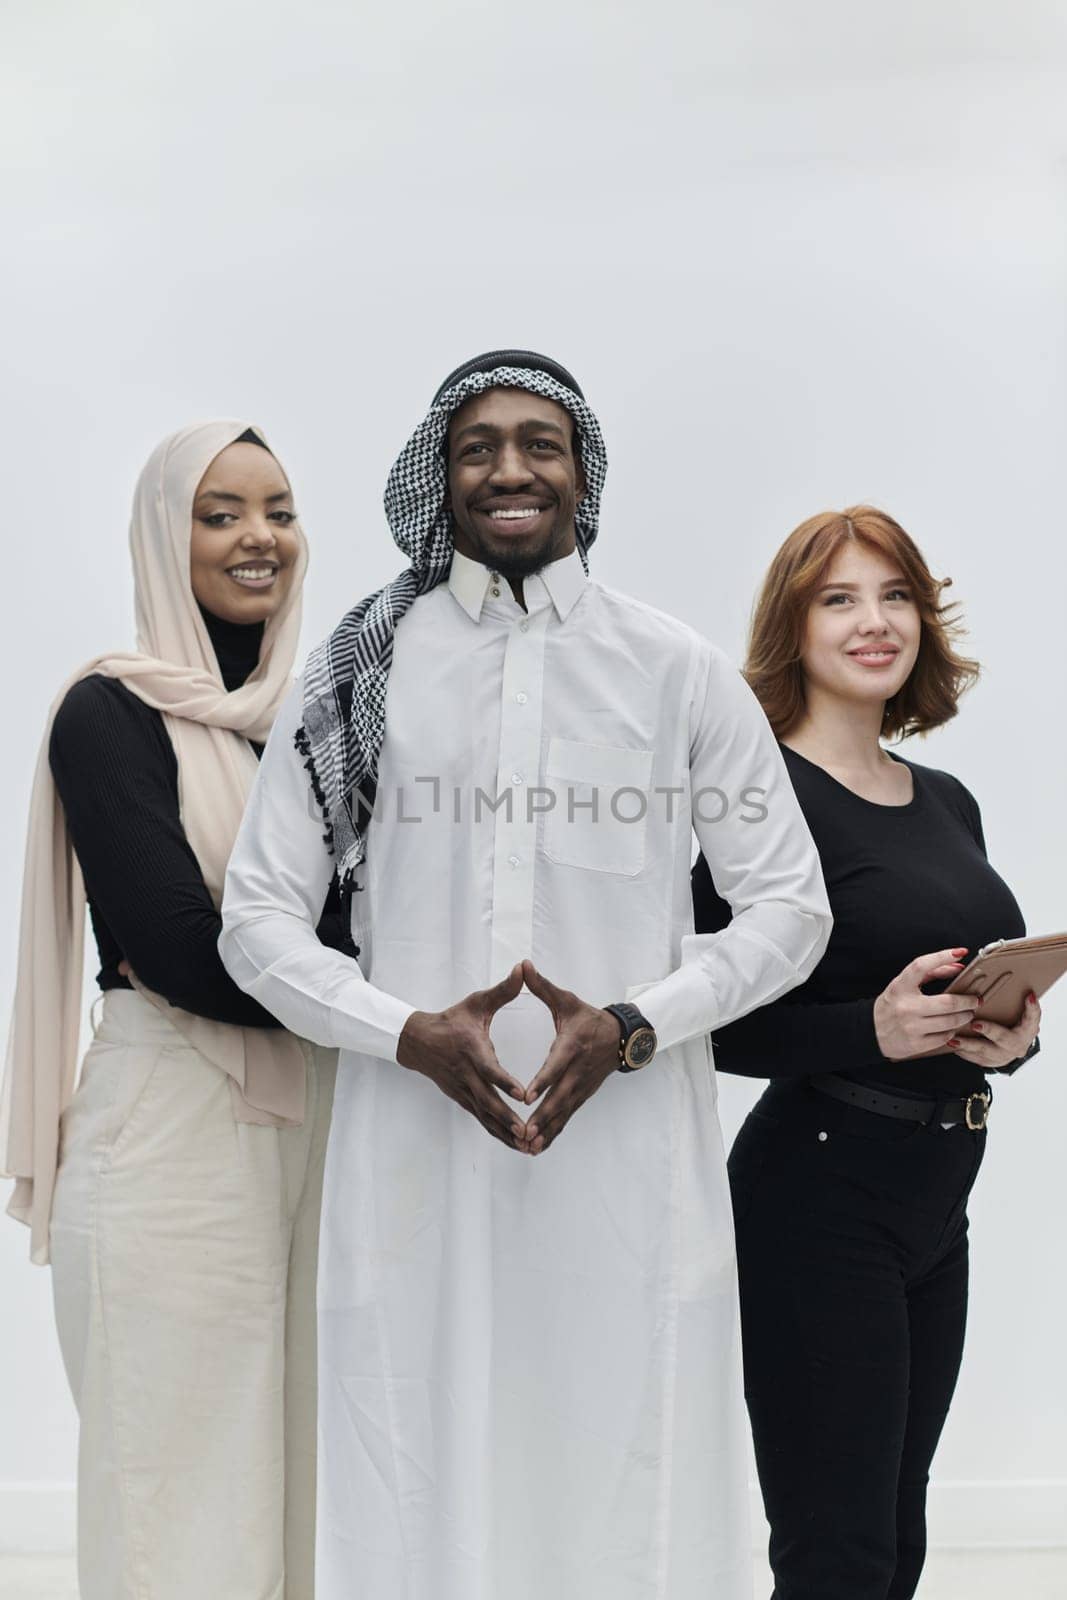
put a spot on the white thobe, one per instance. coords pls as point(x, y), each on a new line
point(529, 1382)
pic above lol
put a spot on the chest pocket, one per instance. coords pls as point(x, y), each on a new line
point(601, 806)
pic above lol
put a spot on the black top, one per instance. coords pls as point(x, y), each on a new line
point(902, 881)
point(117, 776)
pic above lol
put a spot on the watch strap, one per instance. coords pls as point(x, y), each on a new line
point(630, 1021)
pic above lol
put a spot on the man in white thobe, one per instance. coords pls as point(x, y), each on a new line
point(529, 1378)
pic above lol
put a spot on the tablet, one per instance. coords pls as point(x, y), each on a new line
point(1005, 972)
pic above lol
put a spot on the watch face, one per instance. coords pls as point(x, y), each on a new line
point(640, 1047)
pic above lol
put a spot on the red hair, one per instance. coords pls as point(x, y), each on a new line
point(773, 667)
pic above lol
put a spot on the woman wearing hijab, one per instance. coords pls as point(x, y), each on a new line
point(176, 1190)
point(851, 1176)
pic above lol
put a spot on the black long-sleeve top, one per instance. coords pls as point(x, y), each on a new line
point(902, 881)
point(117, 777)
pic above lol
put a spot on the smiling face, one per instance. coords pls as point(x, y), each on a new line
point(863, 629)
point(244, 543)
point(514, 481)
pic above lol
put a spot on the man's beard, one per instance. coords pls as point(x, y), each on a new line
point(514, 564)
point(527, 566)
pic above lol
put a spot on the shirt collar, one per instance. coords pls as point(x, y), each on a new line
point(563, 581)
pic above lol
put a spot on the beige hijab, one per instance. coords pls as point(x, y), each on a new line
point(175, 671)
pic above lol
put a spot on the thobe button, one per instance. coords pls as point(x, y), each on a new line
point(524, 627)
point(516, 777)
point(513, 861)
point(495, 593)
point(521, 698)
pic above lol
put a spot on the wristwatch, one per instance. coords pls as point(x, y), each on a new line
point(638, 1043)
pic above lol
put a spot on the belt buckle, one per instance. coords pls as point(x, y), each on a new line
point(983, 1115)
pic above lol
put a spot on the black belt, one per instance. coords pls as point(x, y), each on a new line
point(972, 1109)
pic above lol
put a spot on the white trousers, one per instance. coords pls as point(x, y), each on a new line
point(184, 1254)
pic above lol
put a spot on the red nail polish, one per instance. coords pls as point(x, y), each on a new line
point(952, 1043)
point(1032, 997)
point(977, 1026)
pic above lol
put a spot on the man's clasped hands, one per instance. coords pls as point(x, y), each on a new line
point(453, 1049)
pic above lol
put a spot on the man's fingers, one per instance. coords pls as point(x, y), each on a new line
point(501, 993)
point(486, 1061)
point(495, 1115)
point(537, 1086)
point(496, 1118)
point(542, 987)
point(568, 1095)
point(549, 1120)
point(477, 1052)
point(555, 1065)
point(488, 1066)
point(495, 1131)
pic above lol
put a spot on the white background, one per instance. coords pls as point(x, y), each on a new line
point(798, 256)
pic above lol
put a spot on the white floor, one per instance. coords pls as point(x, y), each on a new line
point(950, 1575)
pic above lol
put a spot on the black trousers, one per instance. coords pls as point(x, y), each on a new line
point(852, 1256)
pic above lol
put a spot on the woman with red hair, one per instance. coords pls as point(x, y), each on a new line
point(850, 1177)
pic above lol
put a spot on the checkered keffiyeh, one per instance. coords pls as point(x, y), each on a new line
point(347, 675)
